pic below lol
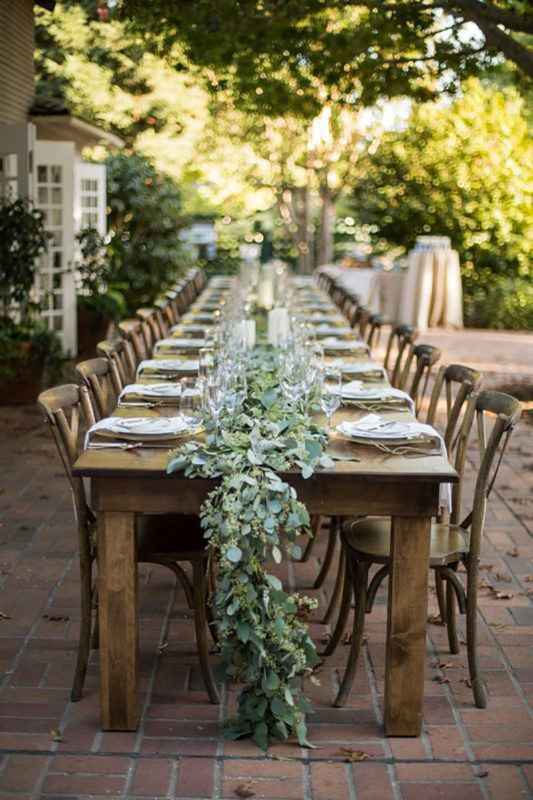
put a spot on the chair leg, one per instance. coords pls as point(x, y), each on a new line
point(344, 610)
point(478, 686)
point(441, 599)
point(360, 580)
point(84, 642)
point(337, 589)
point(200, 624)
point(451, 619)
point(95, 636)
point(328, 558)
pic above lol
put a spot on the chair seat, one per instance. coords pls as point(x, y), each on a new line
point(369, 537)
point(176, 537)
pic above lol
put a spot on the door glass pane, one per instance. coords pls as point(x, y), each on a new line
point(42, 173)
point(55, 173)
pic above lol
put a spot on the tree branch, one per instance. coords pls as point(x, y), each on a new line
point(486, 10)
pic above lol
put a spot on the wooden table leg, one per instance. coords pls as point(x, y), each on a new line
point(117, 603)
point(406, 626)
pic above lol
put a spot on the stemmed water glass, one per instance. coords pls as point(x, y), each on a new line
point(191, 401)
point(215, 398)
point(330, 392)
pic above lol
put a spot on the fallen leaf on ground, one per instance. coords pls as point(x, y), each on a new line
point(56, 618)
point(447, 665)
point(514, 552)
point(434, 619)
point(528, 579)
point(352, 755)
point(501, 595)
point(503, 576)
point(4, 616)
point(245, 790)
point(441, 679)
point(481, 773)
point(467, 682)
point(487, 567)
point(55, 733)
point(162, 647)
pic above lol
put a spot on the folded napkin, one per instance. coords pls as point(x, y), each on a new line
point(140, 429)
point(375, 429)
point(167, 393)
point(332, 343)
point(185, 328)
point(326, 319)
point(356, 390)
point(363, 369)
point(333, 330)
point(204, 319)
point(166, 367)
point(172, 345)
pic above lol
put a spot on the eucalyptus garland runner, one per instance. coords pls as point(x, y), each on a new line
point(251, 517)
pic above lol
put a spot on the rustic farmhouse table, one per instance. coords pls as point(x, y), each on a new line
point(126, 483)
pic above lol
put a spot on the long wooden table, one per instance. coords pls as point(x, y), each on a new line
point(126, 483)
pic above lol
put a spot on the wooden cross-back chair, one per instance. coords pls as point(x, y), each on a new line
point(374, 328)
point(366, 542)
point(419, 363)
point(167, 311)
point(165, 539)
point(131, 330)
point(149, 317)
point(120, 352)
point(199, 280)
point(100, 376)
point(401, 340)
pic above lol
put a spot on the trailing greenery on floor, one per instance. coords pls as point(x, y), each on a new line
point(250, 518)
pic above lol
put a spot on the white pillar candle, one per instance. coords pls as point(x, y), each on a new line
point(250, 333)
point(278, 326)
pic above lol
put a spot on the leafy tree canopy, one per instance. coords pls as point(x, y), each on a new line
point(105, 74)
point(273, 54)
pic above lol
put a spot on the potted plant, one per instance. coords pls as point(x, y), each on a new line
point(27, 347)
point(100, 302)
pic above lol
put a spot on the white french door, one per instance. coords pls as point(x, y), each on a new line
point(54, 195)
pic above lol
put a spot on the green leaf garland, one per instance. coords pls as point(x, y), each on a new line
point(248, 519)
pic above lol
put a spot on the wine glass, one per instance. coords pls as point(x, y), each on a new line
point(331, 392)
point(191, 401)
point(206, 358)
point(215, 396)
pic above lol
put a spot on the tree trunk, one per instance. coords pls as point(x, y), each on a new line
point(302, 215)
point(327, 225)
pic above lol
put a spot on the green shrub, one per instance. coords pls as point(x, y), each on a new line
point(495, 301)
point(145, 253)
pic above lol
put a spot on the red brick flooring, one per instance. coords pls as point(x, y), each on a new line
point(51, 748)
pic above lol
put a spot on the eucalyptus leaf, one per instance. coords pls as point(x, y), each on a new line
point(234, 554)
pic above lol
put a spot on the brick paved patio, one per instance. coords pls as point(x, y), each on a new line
point(54, 749)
